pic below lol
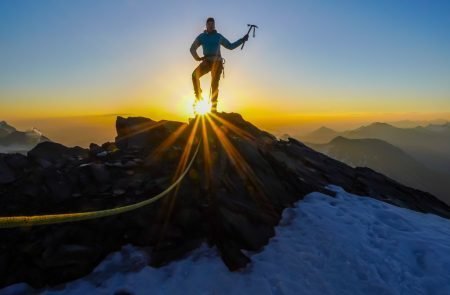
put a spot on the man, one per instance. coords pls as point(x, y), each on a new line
point(211, 60)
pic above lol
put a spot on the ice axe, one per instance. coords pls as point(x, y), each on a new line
point(254, 27)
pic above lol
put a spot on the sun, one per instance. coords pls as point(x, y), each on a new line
point(202, 107)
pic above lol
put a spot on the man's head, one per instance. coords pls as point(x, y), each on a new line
point(210, 24)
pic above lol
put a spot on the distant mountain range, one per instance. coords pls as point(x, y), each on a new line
point(321, 135)
point(14, 141)
point(415, 123)
point(6, 129)
point(389, 160)
point(429, 144)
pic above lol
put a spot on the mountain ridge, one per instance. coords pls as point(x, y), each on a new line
point(13, 140)
point(232, 197)
point(430, 145)
point(387, 159)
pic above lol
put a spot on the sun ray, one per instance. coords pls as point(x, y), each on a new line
point(187, 149)
point(143, 127)
point(234, 128)
point(206, 154)
point(243, 169)
point(202, 107)
point(169, 202)
point(156, 153)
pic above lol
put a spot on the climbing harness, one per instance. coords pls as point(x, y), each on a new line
point(25, 221)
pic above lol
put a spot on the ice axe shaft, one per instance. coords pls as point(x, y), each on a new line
point(254, 27)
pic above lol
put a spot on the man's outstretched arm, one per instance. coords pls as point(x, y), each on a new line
point(196, 44)
point(228, 45)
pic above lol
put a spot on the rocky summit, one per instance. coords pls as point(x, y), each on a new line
point(231, 198)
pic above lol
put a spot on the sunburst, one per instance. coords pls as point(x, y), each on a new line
point(212, 127)
point(202, 107)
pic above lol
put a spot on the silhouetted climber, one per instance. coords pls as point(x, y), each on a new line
point(211, 60)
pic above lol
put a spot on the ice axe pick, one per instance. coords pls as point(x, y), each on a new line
point(254, 27)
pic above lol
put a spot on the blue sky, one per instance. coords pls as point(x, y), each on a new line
point(308, 56)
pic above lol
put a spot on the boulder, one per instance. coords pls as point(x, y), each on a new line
point(142, 133)
point(94, 149)
point(57, 184)
point(56, 153)
point(6, 173)
point(100, 173)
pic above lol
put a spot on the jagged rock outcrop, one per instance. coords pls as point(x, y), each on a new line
point(231, 198)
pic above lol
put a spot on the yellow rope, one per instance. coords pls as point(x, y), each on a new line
point(24, 221)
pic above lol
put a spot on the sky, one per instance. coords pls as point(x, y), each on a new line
point(312, 63)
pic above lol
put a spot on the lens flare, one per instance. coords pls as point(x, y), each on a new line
point(202, 107)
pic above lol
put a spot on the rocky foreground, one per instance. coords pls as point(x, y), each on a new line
point(231, 198)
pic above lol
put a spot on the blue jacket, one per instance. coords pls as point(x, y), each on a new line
point(211, 45)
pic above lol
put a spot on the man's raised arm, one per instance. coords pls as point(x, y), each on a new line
point(228, 45)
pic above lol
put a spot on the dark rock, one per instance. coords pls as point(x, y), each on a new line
point(118, 192)
point(232, 256)
point(57, 184)
point(100, 173)
point(188, 218)
point(94, 149)
point(17, 161)
point(250, 235)
point(6, 173)
point(232, 197)
point(109, 147)
point(246, 129)
point(142, 133)
point(55, 152)
point(132, 131)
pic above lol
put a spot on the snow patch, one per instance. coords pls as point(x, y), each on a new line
point(345, 244)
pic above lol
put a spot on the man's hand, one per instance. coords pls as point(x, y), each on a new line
point(200, 58)
point(245, 38)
